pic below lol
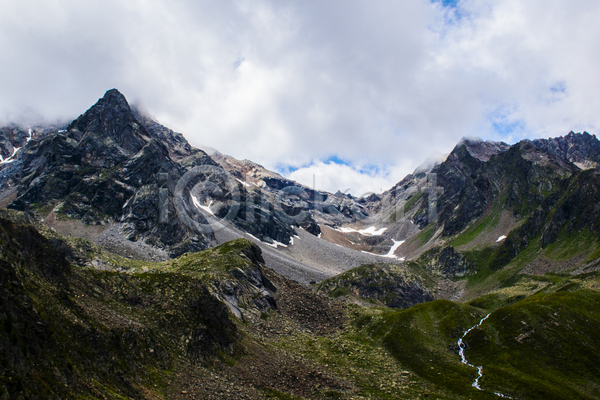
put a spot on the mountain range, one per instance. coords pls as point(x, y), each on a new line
point(135, 265)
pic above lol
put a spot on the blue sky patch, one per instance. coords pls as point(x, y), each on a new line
point(372, 170)
point(453, 13)
point(558, 87)
point(506, 128)
point(447, 3)
point(285, 169)
point(335, 159)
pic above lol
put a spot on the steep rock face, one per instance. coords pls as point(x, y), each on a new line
point(571, 210)
point(581, 149)
point(551, 197)
point(12, 137)
point(97, 149)
point(463, 191)
point(253, 208)
point(178, 147)
point(303, 206)
point(464, 186)
point(451, 192)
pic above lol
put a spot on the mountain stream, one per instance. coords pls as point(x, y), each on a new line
point(463, 358)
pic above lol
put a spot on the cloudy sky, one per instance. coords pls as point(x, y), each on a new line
point(355, 93)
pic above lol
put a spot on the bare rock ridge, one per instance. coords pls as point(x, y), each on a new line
point(581, 149)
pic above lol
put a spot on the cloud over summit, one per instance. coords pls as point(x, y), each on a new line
point(293, 84)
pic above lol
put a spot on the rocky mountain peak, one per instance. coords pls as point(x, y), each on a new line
point(582, 149)
point(112, 104)
point(482, 150)
point(108, 122)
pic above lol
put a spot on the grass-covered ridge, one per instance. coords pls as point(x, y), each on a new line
point(545, 346)
point(207, 264)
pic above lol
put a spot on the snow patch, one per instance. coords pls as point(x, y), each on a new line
point(370, 231)
point(11, 159)
point(501, 238)
point(373, 254)
point(390, 253)
point(273, 245)
point(245, 184)
point(205, 208)
point(394, 248)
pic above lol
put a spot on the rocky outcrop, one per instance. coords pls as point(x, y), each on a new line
point(453, 264)
point(388, 284)
point(303, 206)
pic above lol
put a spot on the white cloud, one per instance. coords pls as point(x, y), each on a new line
point(290, 83)
point(331, 177)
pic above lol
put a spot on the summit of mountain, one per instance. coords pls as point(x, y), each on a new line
point(582, 149)
point(108, 133)
point(482, 150)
